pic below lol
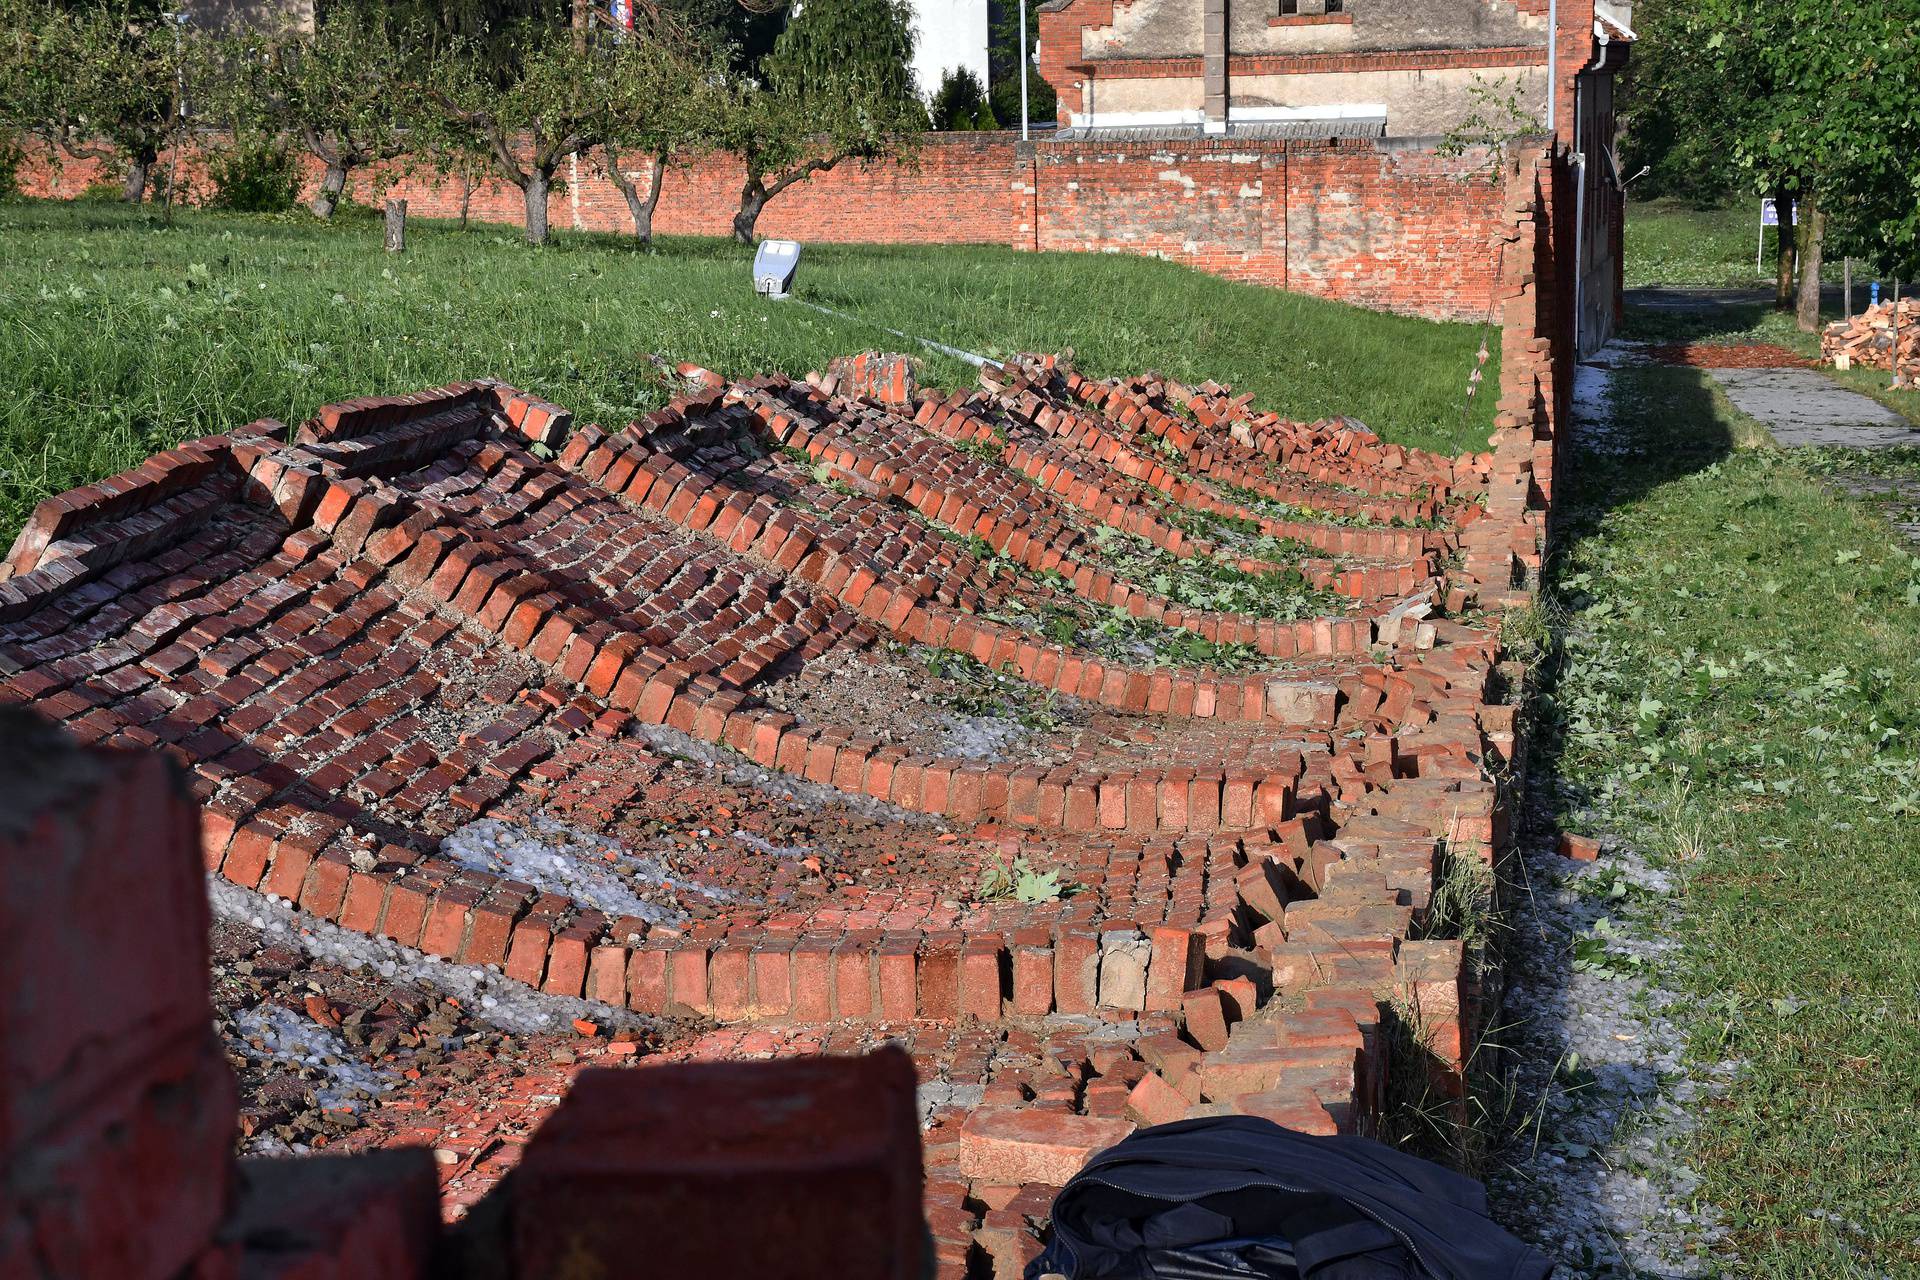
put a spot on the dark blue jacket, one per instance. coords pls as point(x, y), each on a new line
point(1236, 1196)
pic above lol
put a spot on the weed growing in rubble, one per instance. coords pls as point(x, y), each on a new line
point(988, 450)
point(1015, 880)
point(1527, 634)
point(1462, 907)
point(1274, 509)
point(979, 690)
point(1122, 636)
point(1211, 584)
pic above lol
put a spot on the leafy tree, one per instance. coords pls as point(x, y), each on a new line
point(836, 87)
point(95, 83)
point(661, 106)
point(1003, 68)
point(1847, 123)
point(960, 103)
point(526, 114)
point(346, 93)
point(1700, 85)
point(1809, 101)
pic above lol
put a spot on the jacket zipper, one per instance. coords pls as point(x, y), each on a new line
point(1404, 1238)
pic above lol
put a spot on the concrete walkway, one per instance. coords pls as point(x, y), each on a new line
point(1805, 407)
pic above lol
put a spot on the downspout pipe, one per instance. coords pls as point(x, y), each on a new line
point(1553, 65)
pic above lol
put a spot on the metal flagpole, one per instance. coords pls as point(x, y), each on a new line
point(1025, 54)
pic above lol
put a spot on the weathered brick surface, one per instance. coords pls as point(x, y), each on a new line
point(1392, 226)
point(116, 1107)
point(802, 1167)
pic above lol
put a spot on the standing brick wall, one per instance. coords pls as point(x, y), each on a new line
point(1396, 228)
point(1390, 225)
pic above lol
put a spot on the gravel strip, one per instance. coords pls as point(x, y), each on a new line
point(1603, 1092)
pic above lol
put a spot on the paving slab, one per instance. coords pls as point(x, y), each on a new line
point(1803, 407)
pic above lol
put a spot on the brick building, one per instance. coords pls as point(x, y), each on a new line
point(1251, 70)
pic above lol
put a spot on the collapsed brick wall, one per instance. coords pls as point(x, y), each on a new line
point(1392, 226)
point(299, 617)
point(117, 1108)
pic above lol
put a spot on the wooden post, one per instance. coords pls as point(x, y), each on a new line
point(396, 226)
point(1846, 274)
point(1899, 380)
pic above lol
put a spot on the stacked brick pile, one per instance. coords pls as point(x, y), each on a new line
point(1868, 338)
point(358, 637)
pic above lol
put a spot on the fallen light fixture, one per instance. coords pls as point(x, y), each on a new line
point(774, 264)
point(776, 261)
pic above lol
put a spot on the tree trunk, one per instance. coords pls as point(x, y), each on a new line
point(640, 210)
point(753, 198)
point(1783, 266)
point(536, 192)
point(327, 198)
point(466, 196)
point(658, 180)
point(396, 226)
point(1813, 225)
point(135, 189)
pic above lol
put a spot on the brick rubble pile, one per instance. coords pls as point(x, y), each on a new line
point(1867, 339)
point(375, 642)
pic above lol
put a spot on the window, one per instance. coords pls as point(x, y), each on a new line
point(1310, 8)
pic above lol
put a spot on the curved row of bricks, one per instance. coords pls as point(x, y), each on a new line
point(1085, 437)
point(806, 546)
point(1332, 454)
point(357, 517)
point(976, 497)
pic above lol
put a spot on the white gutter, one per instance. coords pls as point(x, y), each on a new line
point(1553, 63)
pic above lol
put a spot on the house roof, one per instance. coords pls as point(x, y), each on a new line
point(1288, 130)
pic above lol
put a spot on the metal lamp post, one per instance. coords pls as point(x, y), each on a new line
point(1026, 55)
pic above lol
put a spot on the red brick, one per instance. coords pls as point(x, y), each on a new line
point(566, 966)
point(1206, 1018)
point(1178, 963)
point(812, 980)
point(607, 974)
point(980, 995)
point(728, 976)
point(687, 980)
point(1026, 1145)
point(658, 1164)
point(527, 954)
point(375, 1214)
point(895, 980)
point(853, 985)
point(1076, 966)
point(647, 979)
point(1153, 1101)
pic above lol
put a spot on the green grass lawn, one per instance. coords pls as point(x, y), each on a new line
point(1670, 242)
point(118, 337)
point(1735, 694)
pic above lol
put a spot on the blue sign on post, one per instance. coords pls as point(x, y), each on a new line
point(1769, 217)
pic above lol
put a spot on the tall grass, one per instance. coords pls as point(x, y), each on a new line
point(118, 338)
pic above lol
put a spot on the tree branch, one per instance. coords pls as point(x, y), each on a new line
point(807, 169)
